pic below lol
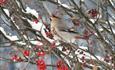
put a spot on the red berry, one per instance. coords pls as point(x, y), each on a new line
point(14, 58)
point(64, 67)
point(93, 13)
point(41, 64)
point(26, 53)
point(36, 21)
point(41, 53)
point(61, 65)
point(48, 34)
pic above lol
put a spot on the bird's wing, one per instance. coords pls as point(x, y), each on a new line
point(65, 35)
point(69, 37)
point(71, 30)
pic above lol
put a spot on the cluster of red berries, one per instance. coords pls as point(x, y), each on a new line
point(41, 64)
point(48, 34)
point(16, 58)
point(61, 66)
point(93, 13)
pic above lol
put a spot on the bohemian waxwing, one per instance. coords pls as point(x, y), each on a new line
point(61, 31)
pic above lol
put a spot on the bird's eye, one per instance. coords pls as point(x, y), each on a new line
point(50, 19)
point(54, 16)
